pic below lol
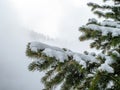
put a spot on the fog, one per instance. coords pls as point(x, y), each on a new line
point(14, 74)
point(15, 34)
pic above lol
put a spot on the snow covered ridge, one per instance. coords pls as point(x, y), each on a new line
point(61, 55)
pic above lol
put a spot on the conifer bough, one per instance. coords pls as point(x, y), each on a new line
point(87, 71)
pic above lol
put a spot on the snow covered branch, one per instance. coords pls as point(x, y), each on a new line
point(62, 55)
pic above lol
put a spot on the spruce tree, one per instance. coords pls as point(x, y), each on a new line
point(88, 71)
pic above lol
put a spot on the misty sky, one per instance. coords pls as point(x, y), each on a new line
point(56, 18)
point(59, 19)
point(52, 17)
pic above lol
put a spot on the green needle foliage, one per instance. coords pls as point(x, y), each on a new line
point(70, 74)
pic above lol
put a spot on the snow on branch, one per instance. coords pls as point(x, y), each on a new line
point(61, 54)
point(115, 24)
point(105, 30)
point(105, 27)
point(64, 54)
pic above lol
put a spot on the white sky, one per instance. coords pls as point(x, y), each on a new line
point(45, 16)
